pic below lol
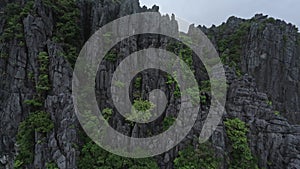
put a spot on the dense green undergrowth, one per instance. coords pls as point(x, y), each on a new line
point(240, 156)
point(94, 157)
point(66, 30)
point(36, 122)
point(230, 47)
point(201, 157)
point(13, 28)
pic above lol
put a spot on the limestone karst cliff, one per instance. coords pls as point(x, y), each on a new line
point(39, 42)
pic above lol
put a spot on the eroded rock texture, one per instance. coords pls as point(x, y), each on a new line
point(269, 51)
point(268, 55)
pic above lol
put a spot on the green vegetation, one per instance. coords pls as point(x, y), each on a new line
point(112, 56)
point(18, 163)
point(108, 37)
point(203, 99)
point(119, 84)
point(43, 84)
point(270, 20)
point(261, 27)
point(13, 22)
point(230, 48)
point(168, 122)
point(143, 105)
point(93, 157)
point(51, 166)
point(186, 39)
point(284, 38)
point(39, 122)
point(3, 55)
point(270, 103)
point(241, 155)
point(33, 103)
point(184, 53)
point(142, 111)
point(205, 86)
point(277, 113)
point(15, 12)
point(173, 81)
point(138, 82)
point(201, 157)
point(107, 113)
point(13, 28)
point(194, 94)
point(67, 15)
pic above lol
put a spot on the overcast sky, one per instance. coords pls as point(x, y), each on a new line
point(208, 12)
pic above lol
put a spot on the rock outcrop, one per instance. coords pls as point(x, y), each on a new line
point(268, 51)
point(268, 56)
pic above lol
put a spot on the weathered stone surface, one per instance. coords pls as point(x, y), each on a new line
point(270, 53)
point(270, 56)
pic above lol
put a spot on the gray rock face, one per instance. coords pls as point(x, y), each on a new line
point(273, 63)
point(272, 138)
point(15, 86)
point(270, 53)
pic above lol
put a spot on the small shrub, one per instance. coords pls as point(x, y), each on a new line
point(111, 57)
point(173, 81)
point(33, 103)
point(107, 113)
point(203, 99)
point(51, 165)
point(167, 122)
point(18, 163)
point(205, 86)
point(138, 82)
point(142, 111)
